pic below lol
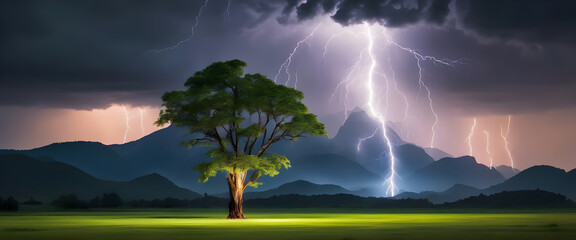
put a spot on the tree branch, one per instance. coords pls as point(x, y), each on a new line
point(265, 129)
point(219, 140)
point(246, 145)
point(237, 140)
point(264, 147)
point(244, 177)
point(253, 178)
point(252, 145)
point(229, 135)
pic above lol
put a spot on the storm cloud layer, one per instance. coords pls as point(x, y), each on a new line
point(391, 13)
point(90, 54)
point(530, 20)
point(526, 21)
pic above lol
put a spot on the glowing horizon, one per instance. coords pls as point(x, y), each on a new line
point(107, 126)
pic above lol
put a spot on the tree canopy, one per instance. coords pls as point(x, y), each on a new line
point(241, 115)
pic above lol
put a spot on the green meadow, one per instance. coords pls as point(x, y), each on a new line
point(279, 224)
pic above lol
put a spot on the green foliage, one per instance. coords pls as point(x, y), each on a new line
point(241, 115)
point(267, 164)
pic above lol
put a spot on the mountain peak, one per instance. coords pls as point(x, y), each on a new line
point(540, 170)
point(64, 146)
point(358, 116)
point(357, 109)
point(542, 177)
point(444, 173)
point(298, 183)
point(306, 184)
point(468, 160)
point(436, 153)
point(359, 125)
point(460, 187)
point(151, 176)
point(507, 171)
point(152, 179)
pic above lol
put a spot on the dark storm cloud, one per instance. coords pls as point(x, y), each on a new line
point(500, 78)
point(526, 21)
point(311, 8)
point(497, 77)
point(261, 9)
point(55, 51)
point(89, 54)
point(288, 9)
point(390, 13)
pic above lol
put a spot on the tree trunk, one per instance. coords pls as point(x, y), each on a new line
point(236, 188)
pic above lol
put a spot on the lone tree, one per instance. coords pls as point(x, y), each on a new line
point(241, 116)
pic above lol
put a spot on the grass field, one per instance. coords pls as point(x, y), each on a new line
point(277, 224)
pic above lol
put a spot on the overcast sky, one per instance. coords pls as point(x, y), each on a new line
point(67, 67)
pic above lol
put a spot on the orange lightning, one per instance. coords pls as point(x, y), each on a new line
point(127, 122)
point(488, 148)
point(142, 121)
point(469, 138)
point(505, 138)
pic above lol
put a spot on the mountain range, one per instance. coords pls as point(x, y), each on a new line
point(355, 159)
point(442, 174)
point(545, 178)
point(23, 177)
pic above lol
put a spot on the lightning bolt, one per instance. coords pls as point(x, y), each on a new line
point(351, 78)
point(361, 140)
point(131, 117)
point(391, 188)
point(360, 71)
point(226, 14)
point(355, 70)
point(406, 104)
point(404, 97)
point(373, 103)
point(469, 138)
point(488, 148)
point(344, 85)
point(127, 122)
point(430, 104)
point(286, 64)
point(329, 40)
point(347, 82)
point(505, 138)
point(192, 31)
point(419, 57)
point(141, 120)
